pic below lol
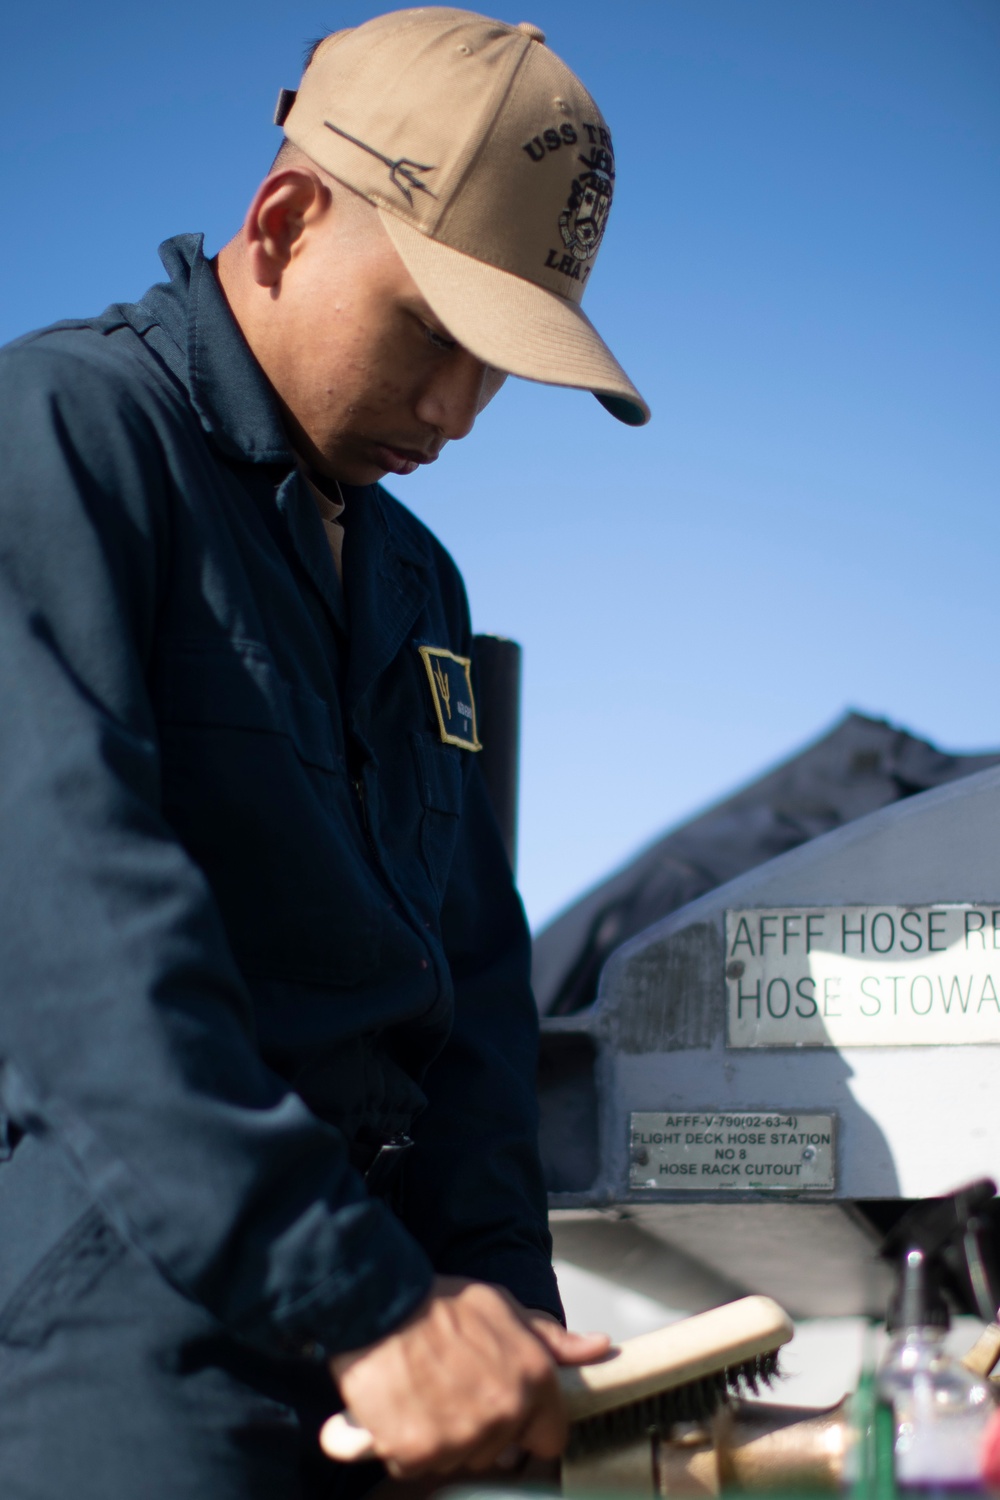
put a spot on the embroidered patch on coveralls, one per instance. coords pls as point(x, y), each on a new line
point(450, 679)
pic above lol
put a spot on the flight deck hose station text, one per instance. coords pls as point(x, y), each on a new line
point(863, 976)
point(745, 1151)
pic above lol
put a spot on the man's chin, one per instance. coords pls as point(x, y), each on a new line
point(354, 471)
point(359, 475)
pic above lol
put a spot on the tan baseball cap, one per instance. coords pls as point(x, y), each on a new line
point(492, 170)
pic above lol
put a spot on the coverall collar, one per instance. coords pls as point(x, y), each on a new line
point(227, 386)
point(382, 591)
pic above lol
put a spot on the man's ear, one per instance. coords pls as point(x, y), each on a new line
point(283, 205)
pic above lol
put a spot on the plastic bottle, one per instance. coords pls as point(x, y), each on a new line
point(939, 1409)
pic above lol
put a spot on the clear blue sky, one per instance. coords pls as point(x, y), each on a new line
point(801, 274)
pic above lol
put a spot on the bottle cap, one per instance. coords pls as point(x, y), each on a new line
point(917, 1301)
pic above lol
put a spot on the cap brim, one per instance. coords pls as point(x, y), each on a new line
point(514, 325)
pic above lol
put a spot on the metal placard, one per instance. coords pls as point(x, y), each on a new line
point(741, 1151)
point(863, 976)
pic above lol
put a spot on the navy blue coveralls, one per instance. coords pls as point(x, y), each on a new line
point(255, 918)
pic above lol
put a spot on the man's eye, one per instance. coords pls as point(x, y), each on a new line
point(439, 340)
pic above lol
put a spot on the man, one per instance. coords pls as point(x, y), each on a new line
point(266, 1099)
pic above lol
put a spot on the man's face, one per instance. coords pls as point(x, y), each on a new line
point(371, 382)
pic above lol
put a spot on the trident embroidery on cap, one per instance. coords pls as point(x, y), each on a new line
point(404, 167)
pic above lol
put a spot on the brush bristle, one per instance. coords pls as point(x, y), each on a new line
point(695, 1402)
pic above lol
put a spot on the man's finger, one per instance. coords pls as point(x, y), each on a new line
point(546, 1434)
point(511, 1457)
point(569, 1348)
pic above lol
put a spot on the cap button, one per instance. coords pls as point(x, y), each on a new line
point(535, 32)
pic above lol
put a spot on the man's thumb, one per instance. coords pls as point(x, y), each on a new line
point(569, 1348)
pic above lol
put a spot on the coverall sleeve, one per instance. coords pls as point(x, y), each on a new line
point(474, 1194)
point(125, 1028)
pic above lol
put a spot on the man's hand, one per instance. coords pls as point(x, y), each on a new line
point(470, 1376)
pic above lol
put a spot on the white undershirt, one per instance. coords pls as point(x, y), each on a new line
point(330, 513)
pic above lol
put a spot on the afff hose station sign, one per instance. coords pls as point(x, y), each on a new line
point(743, 1151)
point(863, 976)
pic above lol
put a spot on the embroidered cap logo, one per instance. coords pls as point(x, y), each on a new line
point(582, 221)
point(403, 167)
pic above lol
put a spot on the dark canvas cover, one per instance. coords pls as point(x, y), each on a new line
point(862, 764)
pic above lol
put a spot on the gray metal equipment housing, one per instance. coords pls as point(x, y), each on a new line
point(914, 1110)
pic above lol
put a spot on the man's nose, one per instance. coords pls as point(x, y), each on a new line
point(454, 397)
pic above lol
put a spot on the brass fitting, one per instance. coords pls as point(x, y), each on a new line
point(746, 1446)
point(759, 1447)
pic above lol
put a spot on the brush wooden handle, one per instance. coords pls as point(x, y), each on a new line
point(982, 1357)
point(676, 1355)
point(341, 1438)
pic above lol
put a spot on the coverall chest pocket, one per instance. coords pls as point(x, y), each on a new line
point(439, 774)
point(256, 791)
